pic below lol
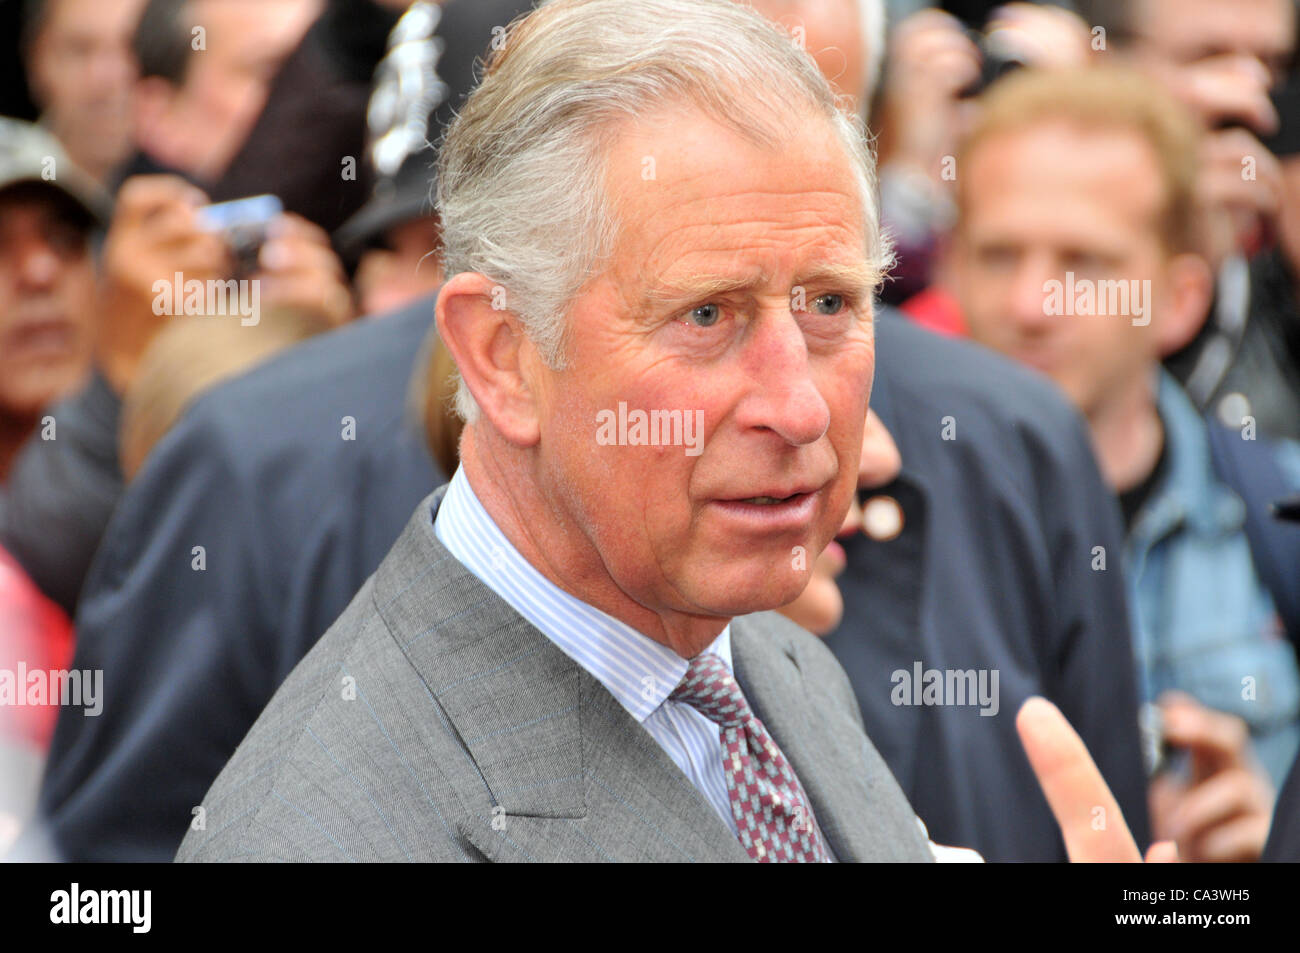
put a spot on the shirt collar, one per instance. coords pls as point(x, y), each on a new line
point(638, 671)
point(1190, 490)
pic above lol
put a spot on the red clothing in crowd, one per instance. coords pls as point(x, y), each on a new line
point(35, 634)
point(937, 310)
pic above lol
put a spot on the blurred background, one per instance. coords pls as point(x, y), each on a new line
point(1153, 143)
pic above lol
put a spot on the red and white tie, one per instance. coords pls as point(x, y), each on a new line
point(773, 817)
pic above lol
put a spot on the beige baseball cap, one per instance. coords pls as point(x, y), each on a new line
point(30, 154)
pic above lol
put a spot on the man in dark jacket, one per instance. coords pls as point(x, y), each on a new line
point(245, 534)
point(987, 557)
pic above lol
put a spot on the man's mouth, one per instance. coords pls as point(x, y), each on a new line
point(771, 512)
point(40, 339)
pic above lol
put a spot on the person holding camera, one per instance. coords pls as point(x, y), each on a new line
point(61, 492)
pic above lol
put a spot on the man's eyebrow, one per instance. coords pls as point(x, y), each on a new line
point(696, 286)
point(860, 279)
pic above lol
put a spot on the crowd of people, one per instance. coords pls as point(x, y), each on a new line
point(274, 271)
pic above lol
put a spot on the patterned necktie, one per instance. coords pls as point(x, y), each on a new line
point(773, 817)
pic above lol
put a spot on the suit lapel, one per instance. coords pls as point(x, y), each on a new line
point(853, 805)
point(634, 787)
point(555, 768)
point(773, 685)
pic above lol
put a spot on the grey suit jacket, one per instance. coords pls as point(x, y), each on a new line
point(433, 723)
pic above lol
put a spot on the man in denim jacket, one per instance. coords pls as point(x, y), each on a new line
point(1075, 254)
point(1205, 623)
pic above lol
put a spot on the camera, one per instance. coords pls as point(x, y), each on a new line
point(242, 223)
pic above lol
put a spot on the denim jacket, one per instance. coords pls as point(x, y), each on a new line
point(1203, 622)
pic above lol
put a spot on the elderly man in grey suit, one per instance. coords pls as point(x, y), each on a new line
point(663, 240)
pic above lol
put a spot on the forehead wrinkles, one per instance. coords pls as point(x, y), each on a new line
point(771, 262)
point(700, 163)
point(797, 223)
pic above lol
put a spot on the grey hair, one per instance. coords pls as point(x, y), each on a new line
point(521, 170)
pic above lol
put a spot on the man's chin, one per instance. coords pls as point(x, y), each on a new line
point(758, 591)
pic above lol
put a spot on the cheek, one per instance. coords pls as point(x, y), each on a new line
point(1101, 355)
point(597, 452)
point(845, 385)
point(80, 294)
point(1109, 339)
point(227, 97)
point(989, 304)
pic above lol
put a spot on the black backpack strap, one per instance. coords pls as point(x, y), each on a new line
point(1251, 469)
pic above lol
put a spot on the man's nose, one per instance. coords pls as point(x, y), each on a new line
point(107, 68)
point(1253, 65)
point(37, 266)
point(1027, 301)
point(784, 399)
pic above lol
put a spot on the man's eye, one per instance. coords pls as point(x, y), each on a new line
point(828, 304)
point(705, 316)
point(67, 241)
point(996, 256)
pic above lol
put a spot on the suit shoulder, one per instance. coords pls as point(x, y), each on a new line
point(260, 761)
point(316, 438)
point(348, 762)
point(773, 632)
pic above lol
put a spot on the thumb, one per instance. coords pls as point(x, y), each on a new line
point(1087, 813)
point(1162, 852)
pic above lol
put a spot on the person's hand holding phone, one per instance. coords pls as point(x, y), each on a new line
point(299, 271)
point(931, 61)
point(154, 236)
point(1221, 807)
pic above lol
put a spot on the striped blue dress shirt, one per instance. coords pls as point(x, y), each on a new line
point(638, 671)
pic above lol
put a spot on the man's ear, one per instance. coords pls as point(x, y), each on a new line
point(1191, 289)
point(493, 354)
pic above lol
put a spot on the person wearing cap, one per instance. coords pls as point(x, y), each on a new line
point(424, 76)
point(65, 476)
point(48, 211)
point(118, 806)
point(47, 279)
